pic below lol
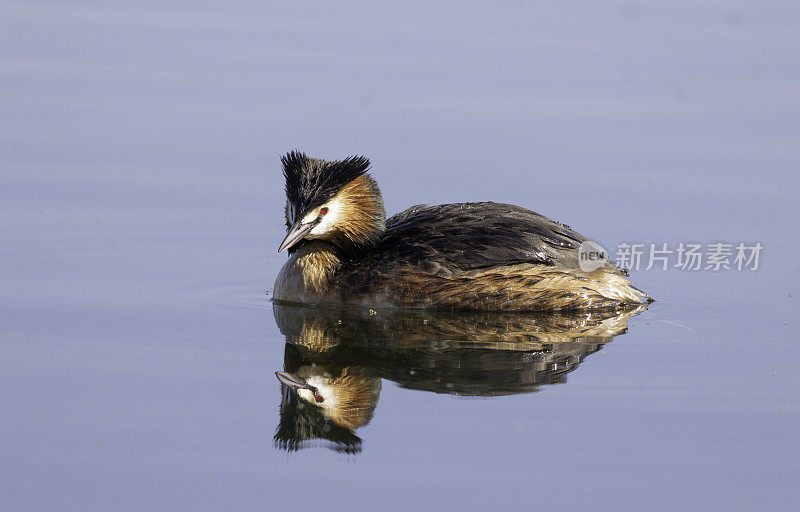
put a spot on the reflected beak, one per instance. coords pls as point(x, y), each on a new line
point(296, 383)
point(292, 380)
point(298, 231)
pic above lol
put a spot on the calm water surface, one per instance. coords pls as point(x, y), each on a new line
point(140, 213)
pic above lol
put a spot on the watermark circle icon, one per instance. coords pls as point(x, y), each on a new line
point(591, 256)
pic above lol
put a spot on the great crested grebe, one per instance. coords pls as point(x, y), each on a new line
point(336, 358)
point(489, 256)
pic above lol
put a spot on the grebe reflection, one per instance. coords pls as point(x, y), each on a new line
point(335, 358)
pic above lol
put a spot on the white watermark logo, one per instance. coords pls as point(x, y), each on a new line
point(591, 256)
point(689, 256)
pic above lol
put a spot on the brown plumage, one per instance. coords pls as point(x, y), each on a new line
point(485, 256)
point(341, 355)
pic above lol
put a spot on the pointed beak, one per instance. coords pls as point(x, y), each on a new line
point(298, 231)
point(292, 380)
point(296, 383)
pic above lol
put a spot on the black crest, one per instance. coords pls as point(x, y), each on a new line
point(311, 182)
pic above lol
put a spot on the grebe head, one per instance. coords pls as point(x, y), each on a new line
point(337, 202)
point(327, 403)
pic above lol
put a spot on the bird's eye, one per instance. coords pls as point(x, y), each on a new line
point(323, 210)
